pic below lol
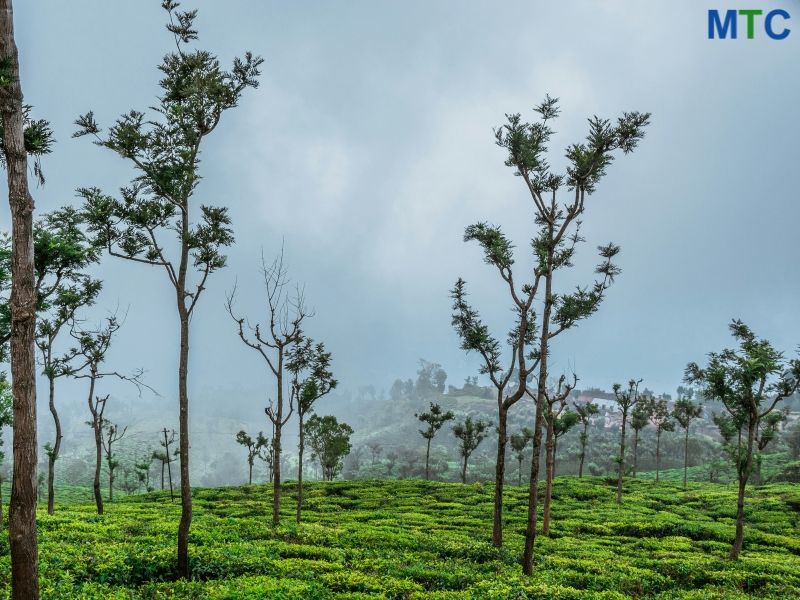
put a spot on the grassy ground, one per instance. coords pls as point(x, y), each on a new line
point(419, 540)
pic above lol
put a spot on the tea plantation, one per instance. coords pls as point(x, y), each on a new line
point(426, 541)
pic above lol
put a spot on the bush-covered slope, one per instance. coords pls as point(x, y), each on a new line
point(420, 540)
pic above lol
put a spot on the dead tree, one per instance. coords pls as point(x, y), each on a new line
point(287, 310)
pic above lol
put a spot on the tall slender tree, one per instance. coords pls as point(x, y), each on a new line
point(435, 419)
point(470, 435)
point(750, 382)
point(312, 379)
point(554, 245)
point(661, 419)
point(585, 413)
point(164, 150)
point(20, 137)
point(684, 413)
point(640, 418)
point(287, 312)
point(626, 400)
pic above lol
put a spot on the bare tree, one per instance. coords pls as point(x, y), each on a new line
point(287, 310)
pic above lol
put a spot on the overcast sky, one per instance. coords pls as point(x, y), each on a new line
point(368, 148)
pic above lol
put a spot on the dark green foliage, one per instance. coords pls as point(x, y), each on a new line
point(330, 442)
point(61, 253)
point(37, 136)
point(427, 541)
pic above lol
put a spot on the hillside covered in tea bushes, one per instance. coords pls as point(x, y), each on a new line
point(426, 541)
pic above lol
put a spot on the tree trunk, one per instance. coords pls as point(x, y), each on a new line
point(744, 474)
point(464, 470)
point(583, 448)
point(533, 494)
point(22, 511)
point(499, 474)
point(300, 472)
point(162, 475)
point(276, 458)
point(621, 459)
point(519, 474)
point(51, 458)
point(548, 477)
point(533, 489)
point(110, 479)
point(758, 469)
point(635, 452)
point(658, 454)
point(427, 458)
point(183, 399)
point(685, 456)
point(98, 442)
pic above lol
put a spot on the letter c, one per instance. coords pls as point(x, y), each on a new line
point(768, 24)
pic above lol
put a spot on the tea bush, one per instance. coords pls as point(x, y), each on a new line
point(421, 540)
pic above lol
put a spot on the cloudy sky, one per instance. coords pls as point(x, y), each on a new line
point(368, 148)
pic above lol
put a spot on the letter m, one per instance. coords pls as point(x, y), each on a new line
point(714, 23)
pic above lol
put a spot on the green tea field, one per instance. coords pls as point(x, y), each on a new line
point(426, 541)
